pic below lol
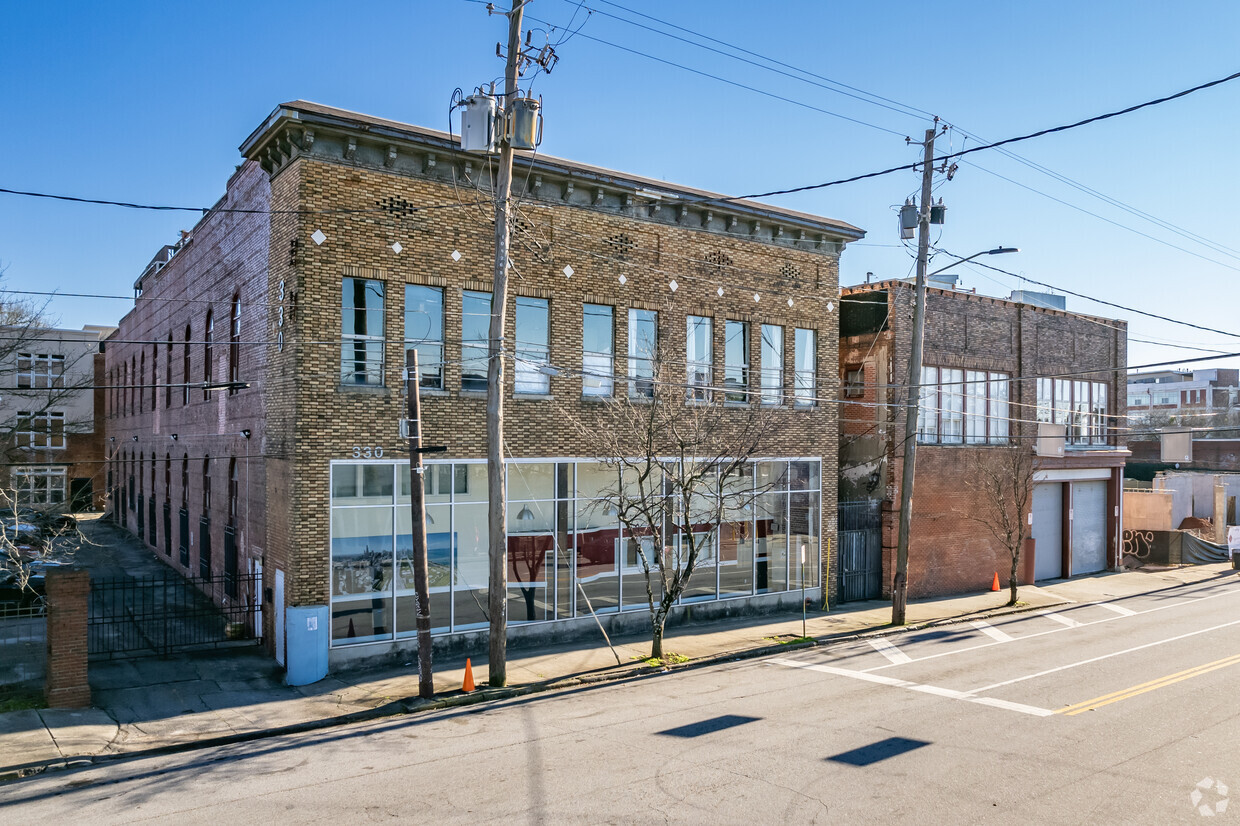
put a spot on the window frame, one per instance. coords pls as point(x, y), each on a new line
point(430, 372)
point(533, 358)
point(592, 361)
point(772, 374)
point(365, 371)
point(474, 345)
point(699, 357)
point(736, 371)
point(804, 393)
point(642, 356)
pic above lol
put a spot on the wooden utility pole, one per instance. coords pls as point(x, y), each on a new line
point(417, 508)
point(899, 585)
point(497, 583)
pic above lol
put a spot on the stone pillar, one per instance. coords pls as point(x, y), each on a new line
point(68, 596)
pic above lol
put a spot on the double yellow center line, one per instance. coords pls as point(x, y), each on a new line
point(1124, 694)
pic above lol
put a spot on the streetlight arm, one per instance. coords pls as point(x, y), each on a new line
point(995, 251)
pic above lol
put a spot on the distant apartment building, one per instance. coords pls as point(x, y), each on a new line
point(261, 382)
point(51, 404)
point(1188, 397)
point(993, 369)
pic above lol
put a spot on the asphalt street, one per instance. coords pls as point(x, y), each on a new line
point(1114, 712)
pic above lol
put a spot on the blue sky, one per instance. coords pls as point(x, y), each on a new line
point(147, 102)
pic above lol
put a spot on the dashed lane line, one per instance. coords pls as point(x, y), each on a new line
point(1119, 609)
point(889, 651)
point(990, 631)
point(937, 691)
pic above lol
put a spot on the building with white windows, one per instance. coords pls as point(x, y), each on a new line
point(51, 407)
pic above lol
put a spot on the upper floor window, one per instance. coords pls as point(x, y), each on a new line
point(234, 491)
point(168, 373)
point(475, 338)
point(361, 354)
point(39, 485)
point(424, 332)
point(736, 361)
point(985, 407)
point(185, 368)
point(854, 382)
point(1081, 406)
point(208, 334)
point(805, 367)
point(533, 353)
point(44, 430)
point(698, 356)
point(963, 406)
point(598, 349)
point(141, 388)
point(167, 477)
point(772, 364)
point(206, 486)
point(234, 346)
point(185, 482)
point(39, 370)
point(643, 346)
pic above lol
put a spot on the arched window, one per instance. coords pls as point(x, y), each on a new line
point(141, 388)
point(234, 345)
point(208, 332)
point(234, 491)
point(141, 474)
point(185, 482)
point(154, 377)
point(130, 375)
point(168, 373)
point(154, 462)
point(206, 485)
point(168, 477)
point(185, 377)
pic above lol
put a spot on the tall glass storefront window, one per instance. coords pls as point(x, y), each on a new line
point(568, 554)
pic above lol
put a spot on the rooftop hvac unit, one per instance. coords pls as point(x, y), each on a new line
point(478, 133)
point(524, 124)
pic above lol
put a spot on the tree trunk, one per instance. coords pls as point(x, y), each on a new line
point(656, 643)
point(1015, 565)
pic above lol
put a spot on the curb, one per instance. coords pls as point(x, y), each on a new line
point(411, 706)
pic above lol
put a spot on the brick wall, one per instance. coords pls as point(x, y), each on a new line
point(964, 330)
point(68, 595)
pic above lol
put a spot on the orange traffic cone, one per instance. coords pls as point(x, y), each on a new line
point(994, 586)
point(469, 676)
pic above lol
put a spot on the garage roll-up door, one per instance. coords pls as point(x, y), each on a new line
point(1089, 527)
point(1048, 530)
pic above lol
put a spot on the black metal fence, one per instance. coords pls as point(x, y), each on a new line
point(23, 644)
point(160, 615)
point(860, 550)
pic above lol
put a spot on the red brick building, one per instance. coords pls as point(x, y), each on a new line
point(993, 369)
point(344, 239)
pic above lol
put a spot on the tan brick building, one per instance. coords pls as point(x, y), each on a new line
point(993, 369)
point(380, 237)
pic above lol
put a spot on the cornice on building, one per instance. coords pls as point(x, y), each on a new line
point(301, 129)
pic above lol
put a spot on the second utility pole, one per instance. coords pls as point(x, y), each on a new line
point(912, 401)
point(417, 511)
point(497, 582)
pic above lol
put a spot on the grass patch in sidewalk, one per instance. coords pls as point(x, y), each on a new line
point(670, 658)
point(21, 699)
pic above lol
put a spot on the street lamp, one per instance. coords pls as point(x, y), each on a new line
point(899, 589)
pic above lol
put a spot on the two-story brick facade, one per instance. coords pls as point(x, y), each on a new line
point(379, 237)
point(992, 370)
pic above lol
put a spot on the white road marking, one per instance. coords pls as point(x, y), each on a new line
point(889, 651)
point(990, 631)
point(937, 691)
point(1103, 657)
point(1119, 609)
point(1059, 618)
point(1187, 601)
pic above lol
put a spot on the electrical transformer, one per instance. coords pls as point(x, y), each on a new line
point(478, 133)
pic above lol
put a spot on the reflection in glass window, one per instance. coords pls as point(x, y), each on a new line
point(736, 361)
point(643, 344)
point(361, 354)
point(805, 374)
point(772, 364)
point(698, 358)
point(424, 332)
point(475, 334)
point(533, 353)
point(598, 349)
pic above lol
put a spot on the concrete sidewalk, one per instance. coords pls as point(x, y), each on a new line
point(215, 697)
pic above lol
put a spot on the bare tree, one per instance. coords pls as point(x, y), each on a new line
point(1001, 479)
point(38, 385)
point(681, 465)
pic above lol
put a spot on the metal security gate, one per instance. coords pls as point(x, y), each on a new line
point(156, 616)
point(861, 550)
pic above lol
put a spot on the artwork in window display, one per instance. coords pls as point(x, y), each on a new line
point(439, 568)
point(361, 550)
point(362, 620)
